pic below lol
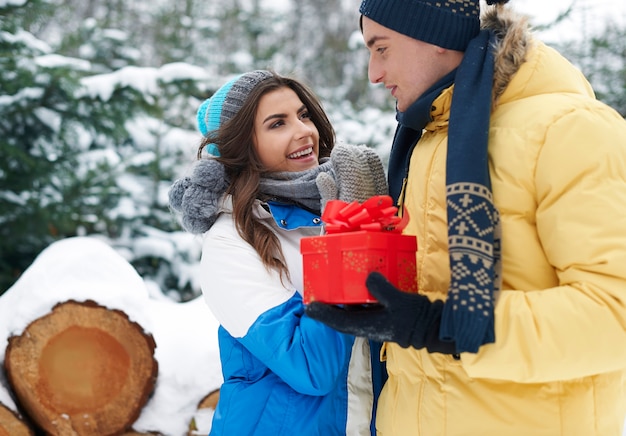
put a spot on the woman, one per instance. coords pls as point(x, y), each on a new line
point(254, 197)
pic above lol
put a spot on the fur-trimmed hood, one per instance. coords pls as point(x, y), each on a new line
point(524, 66)
point(513, 42)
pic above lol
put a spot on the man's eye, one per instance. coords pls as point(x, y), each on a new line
point(381, 50)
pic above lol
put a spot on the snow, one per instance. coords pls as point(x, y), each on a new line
point(6, 3)
point(143, 79)
point(55, 61)
point(586, 18)
point(26, 38)
point(85, 268)
point(138, 78)
point(23, 95)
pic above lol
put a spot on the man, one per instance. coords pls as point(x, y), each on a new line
point(514, 179)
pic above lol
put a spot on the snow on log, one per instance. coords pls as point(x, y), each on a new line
point(201, 421)
point(138, 433)
point(82, 369)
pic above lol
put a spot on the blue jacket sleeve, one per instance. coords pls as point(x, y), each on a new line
point(306, 354)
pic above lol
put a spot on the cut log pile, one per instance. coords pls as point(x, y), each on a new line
point(82, 369)
point(88, 348)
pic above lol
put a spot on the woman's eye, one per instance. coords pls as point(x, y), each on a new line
point(305, 114)
point(277, 124)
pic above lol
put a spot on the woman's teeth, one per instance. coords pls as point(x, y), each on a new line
point(301, 153)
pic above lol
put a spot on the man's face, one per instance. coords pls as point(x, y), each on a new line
point(285, 137)
point(406, 66)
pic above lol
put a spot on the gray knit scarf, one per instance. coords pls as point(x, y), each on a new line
point(297, 187)
point(197, 198)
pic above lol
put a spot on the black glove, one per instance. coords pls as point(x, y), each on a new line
point(407, 319)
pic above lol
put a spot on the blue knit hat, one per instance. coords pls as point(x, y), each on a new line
point(448, 24)
point(226, 102)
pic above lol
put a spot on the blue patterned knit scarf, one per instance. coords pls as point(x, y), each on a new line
point(473, 220)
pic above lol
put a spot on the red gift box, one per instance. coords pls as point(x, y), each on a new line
point(361, 238)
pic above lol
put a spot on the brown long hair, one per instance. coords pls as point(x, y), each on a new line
point(244, 169)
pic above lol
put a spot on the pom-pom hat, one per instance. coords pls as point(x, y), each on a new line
point(448, 24)
point(226, 102)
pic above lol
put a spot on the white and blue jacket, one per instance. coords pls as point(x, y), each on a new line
point(284, 373)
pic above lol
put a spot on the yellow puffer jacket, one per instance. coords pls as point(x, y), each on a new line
point(558, 171)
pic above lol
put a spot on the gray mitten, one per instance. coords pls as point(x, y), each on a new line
point(357, 174)
point(197, 198)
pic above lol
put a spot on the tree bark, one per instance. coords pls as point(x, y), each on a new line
point(11, 424)
point(82, 369)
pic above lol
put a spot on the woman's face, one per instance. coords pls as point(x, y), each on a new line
point(284, 135)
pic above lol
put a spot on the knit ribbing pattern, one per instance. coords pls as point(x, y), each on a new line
point(449, 24)
point(239, 91)
point(226, 102)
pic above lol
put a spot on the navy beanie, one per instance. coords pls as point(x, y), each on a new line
point(448, 24)
point(226, 102)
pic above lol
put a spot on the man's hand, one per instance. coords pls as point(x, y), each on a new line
point(404, 318)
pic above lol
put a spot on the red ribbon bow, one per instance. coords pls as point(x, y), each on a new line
point(377, 214)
